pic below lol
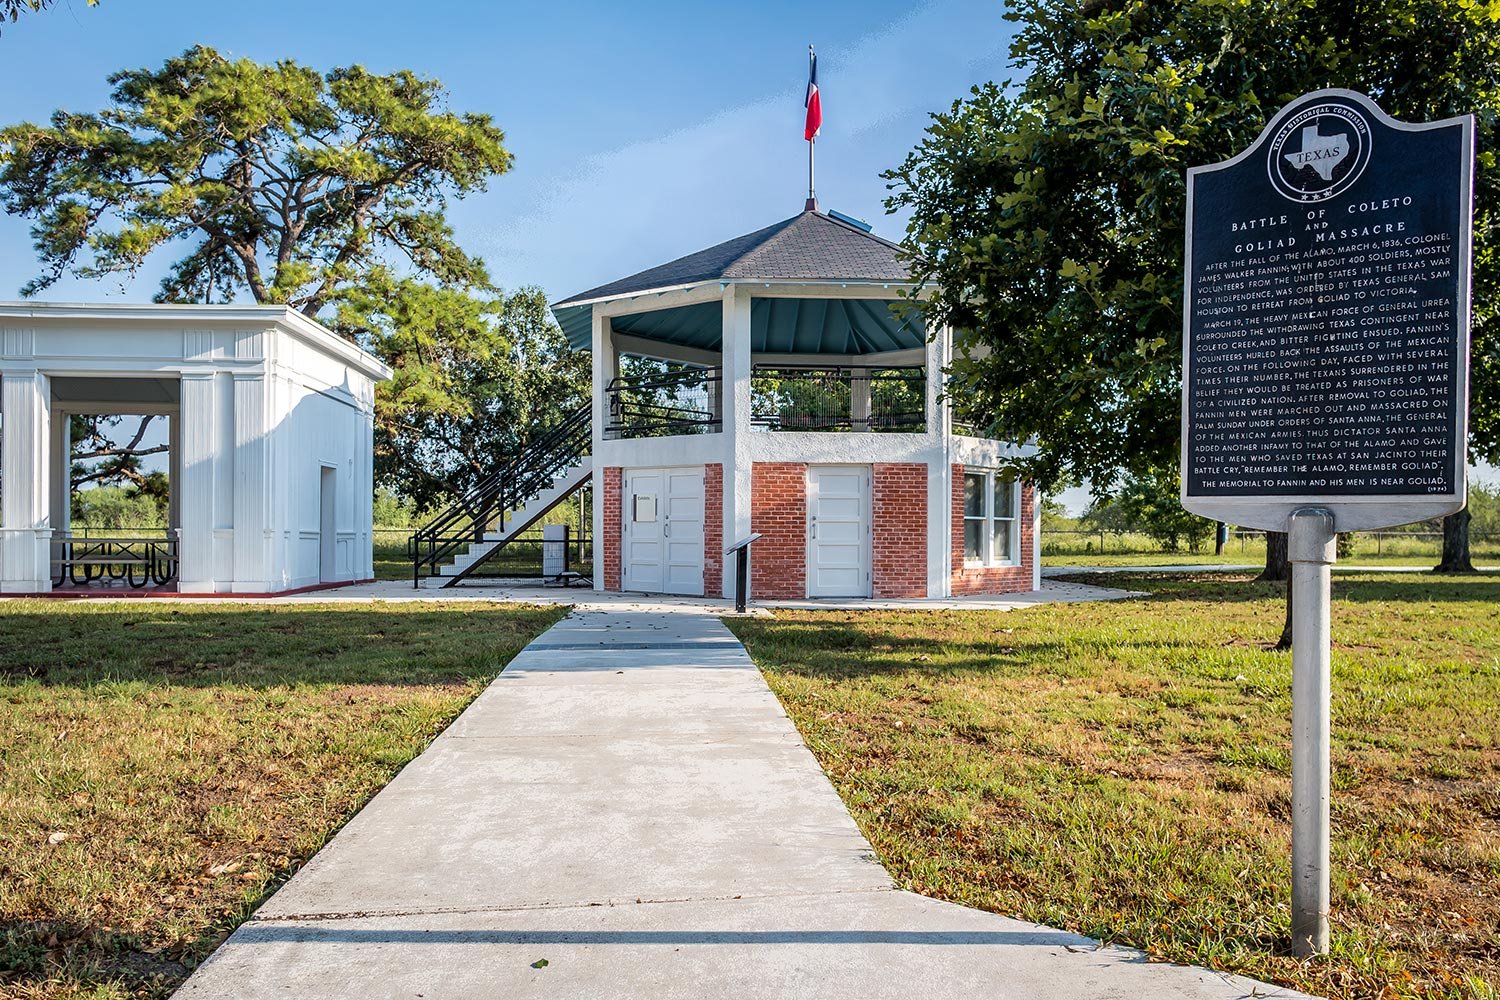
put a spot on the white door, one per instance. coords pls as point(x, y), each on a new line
point(838, 531)
point(663, 528)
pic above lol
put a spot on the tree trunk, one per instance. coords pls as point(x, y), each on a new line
point(1285, 642)
point(1277, 568)
point(1456, 558)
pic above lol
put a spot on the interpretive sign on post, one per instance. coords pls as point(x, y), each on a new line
point(1325, 372)
point(1326, 319)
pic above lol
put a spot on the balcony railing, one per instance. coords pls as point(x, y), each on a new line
point(820, 398)
point(782, 398)
point(660, 404)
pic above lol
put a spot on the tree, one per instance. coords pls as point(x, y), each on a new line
point(475, 380)
point(272, 181)
point(98, 458)
point(1047, 218)
point(1148, 503)
point(11, 10)
point(275, 180)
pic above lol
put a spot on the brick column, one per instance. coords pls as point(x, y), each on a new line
point(610, 542)
point(898, 552)
point(713, 530)
point(778, 511)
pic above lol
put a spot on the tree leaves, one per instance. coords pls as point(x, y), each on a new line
point(475, 379)
point(1047, 218)
point(281, 182)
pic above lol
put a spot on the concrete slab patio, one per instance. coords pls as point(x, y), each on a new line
point(627, 812)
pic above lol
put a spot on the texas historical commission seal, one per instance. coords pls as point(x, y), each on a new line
point(1320, 151)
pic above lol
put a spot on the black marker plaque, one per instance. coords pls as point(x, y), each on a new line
point(1326, 313)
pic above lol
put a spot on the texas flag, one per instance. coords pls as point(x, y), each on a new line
point(813, 104)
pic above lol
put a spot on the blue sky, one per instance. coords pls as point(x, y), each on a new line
point(640, 131)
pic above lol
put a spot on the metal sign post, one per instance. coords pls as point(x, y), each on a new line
point(1311, 549)
point(1325, 372)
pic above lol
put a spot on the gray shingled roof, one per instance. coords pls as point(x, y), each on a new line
point(807, 247)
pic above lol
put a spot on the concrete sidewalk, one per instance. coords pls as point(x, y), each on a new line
point(627, 812)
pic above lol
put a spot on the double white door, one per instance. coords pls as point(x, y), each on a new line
point(838, 531)
point(662, 519)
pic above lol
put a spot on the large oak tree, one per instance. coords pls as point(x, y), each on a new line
point(1047, 215)
point(326, 192)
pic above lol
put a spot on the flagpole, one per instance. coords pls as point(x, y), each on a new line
point(812, 197)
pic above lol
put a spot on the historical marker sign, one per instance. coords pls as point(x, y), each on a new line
point(1326, 319)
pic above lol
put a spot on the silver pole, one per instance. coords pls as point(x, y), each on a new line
point(811, 196)
point(1311, 551)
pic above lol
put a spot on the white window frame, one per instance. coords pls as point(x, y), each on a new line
point(990, 518)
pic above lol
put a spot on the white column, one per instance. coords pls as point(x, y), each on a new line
point(174, 465)
point(62, 471)
point(859, 402)
point(194, 488)
point(25, 482)
point(736, 397)
point(940, 471)
point(605, 366)
point(251, 483)
point(364, 495)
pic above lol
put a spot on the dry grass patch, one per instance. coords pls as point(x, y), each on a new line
point(164, 767)
point(1122, 769)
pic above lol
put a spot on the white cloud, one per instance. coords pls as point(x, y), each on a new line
point(651, 201)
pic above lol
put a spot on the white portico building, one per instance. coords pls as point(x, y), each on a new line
point(269, 417)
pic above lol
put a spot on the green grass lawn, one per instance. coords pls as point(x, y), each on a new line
point(165, 766)
point(1121, 769)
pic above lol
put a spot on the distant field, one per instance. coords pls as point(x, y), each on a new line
point(1074, 548)
point(1121, 769)
point(522, 559)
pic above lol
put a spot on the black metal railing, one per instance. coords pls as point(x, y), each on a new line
point(134, 562)
point(660, 404)
point(483, 508)
point(844, 398)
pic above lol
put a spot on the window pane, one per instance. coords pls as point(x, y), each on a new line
point(974, 495)
point(973, 538)
point(1005, 497)
point(1002, 550)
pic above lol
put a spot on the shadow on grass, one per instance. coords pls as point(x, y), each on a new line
point(829, 649)
point(65, 954)
point(260, 646)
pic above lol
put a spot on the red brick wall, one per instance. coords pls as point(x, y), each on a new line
point(998, 579)
point(713, 530)
point(778, 511)
point(613, 534)
point(899, 546)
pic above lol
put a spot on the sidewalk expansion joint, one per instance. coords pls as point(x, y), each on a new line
point(306, 918)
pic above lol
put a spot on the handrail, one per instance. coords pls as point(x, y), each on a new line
point(466, 519)
point(664, 403)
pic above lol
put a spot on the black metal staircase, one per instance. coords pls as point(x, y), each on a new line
point(467, 519)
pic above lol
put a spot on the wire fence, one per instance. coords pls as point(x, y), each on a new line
point(1252, 544)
